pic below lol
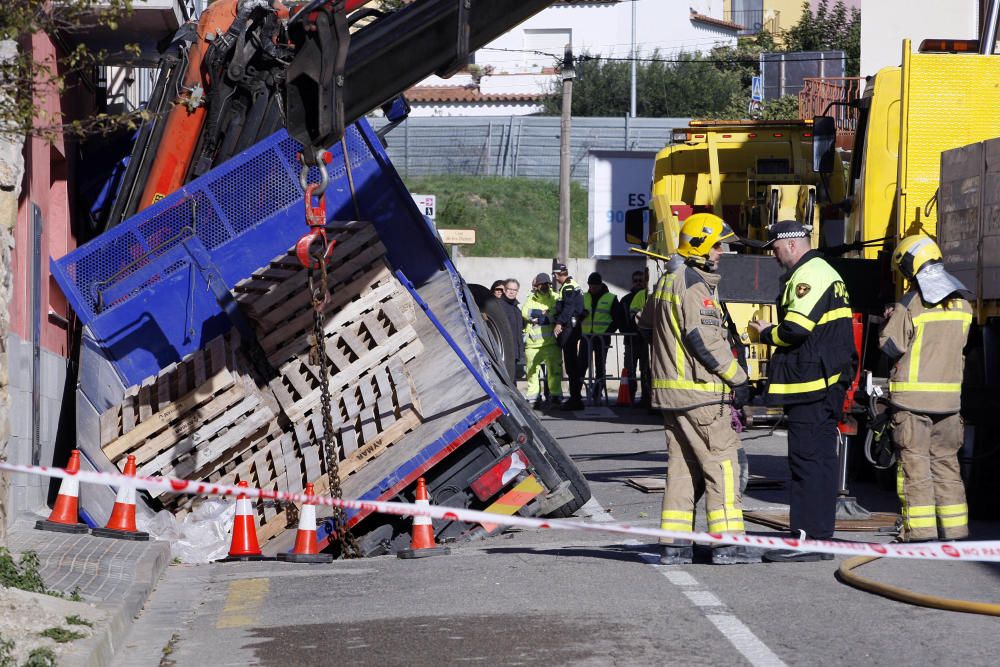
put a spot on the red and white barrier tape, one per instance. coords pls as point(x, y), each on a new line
point(973, 551)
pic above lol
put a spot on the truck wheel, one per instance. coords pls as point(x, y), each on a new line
point(559, 460)
point(498, 331)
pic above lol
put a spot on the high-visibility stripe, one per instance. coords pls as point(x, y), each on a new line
point(512, 501)
point(776, 338)
point(950, 387)
point(961, 508)
point(667, 296)
point(730, 372)
point(918, 338)
point(708, 387)
point(681, 526)
point(953, 521)
point(728, 487)
point(800, 319)
point(679, 515)
point(942, 316)
point(802, 387)
point(836, 314)
point(919, 510)
point(923, 522)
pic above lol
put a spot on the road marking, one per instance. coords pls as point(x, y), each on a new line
point(715, 610)
point(243, 601)
point(594, 511)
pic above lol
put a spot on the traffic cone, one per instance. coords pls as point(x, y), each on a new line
point(624, 390)
point(422, 540)
point(121, 525)
point(244, 545)
point(305, 549)
point(63, 518)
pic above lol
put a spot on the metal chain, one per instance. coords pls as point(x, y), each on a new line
point(349, 547)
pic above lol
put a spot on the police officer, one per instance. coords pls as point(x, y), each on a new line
point(540, 342)
point(601, 317)
point(924, 336)
point(636, 349)
point(811, 366)
point(693, 371)
point(569, 317)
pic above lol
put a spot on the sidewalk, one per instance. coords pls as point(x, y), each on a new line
point(111, 576)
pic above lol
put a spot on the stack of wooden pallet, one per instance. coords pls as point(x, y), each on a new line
point(218, 417)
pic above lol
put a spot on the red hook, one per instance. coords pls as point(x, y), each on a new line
point(314, 246)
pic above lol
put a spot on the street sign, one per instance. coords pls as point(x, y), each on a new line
point(457, 236)
point(756, 90)
point(427, 204)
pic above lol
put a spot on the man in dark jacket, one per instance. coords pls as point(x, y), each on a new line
point(513, 308)
point(636, 347)
point(569, 318)
point(811, 366)
point(602, 316)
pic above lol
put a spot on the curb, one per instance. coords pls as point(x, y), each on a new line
point(148, 572)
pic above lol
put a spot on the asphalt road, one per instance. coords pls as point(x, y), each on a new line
point(557, 598)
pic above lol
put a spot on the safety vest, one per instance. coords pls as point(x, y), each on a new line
point(569, 304)
point(814, 339)
point(637, 303)
point(539, 307)
point(926, 341)
point(692, 363)
point(599, 318)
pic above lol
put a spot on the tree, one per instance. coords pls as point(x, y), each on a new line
point(828, 29)
point(27, 81)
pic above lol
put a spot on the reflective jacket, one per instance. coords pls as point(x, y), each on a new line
point(600, 318)
point(814, 339)
point(538, 312)
point(926, 342)
point(692, 361)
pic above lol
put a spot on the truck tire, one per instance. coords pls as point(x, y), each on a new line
point(559, 460)
point(498, 330)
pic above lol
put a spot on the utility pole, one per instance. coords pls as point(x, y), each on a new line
point(634, 57)
point(568, 74)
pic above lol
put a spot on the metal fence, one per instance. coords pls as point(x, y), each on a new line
point(525, 146)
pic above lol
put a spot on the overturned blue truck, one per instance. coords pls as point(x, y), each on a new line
point(211, 351)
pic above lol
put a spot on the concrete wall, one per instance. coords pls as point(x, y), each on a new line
point(885, 23)
point(617, 273)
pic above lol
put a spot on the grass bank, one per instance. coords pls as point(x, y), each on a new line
point(513, 217)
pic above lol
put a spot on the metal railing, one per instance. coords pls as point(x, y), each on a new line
point(755, 20)
point(816, 99)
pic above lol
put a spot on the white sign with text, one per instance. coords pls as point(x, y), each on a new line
point(619, 181)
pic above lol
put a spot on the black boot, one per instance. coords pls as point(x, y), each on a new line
point(731, 554)
point(676, 554)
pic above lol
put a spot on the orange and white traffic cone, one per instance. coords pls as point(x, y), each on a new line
point(422, 541)
point(306, 549)
point(121, 525)
point(624, 390)
point(244, 545)
point(63, 518)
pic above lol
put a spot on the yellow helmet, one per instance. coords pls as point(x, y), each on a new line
point(700, 233)
point(913, 253)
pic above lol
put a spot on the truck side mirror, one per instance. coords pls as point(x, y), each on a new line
point(636, 220)
point(824, 139)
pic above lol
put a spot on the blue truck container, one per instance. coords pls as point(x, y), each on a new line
point(154, 293)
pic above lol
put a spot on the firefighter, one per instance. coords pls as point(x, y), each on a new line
point(602, 316)
point(693, 373)
point(811, 366)
point(569, 318)
point(924, 335)
point(540, 342)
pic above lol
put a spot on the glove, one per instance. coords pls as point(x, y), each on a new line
point(741, 395)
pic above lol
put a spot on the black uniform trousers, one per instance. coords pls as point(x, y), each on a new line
point(571, 363)
point(812, 458)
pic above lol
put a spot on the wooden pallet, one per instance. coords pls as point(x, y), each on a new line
point(217, 418)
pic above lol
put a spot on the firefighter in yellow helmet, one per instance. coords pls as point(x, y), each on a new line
point(924, 335)
point(694, 372)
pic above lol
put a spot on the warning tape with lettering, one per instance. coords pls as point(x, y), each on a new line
point(966, 550)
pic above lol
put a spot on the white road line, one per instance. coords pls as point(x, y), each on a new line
point(594, 511)
point(715, 610)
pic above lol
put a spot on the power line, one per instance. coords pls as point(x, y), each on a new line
point(708, 61)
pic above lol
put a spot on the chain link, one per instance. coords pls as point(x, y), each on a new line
point(349, 547)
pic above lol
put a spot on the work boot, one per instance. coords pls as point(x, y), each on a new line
point(785, 556)
point(572, 404)
point(731, 554)
point(537, 403)
point(676, 554)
